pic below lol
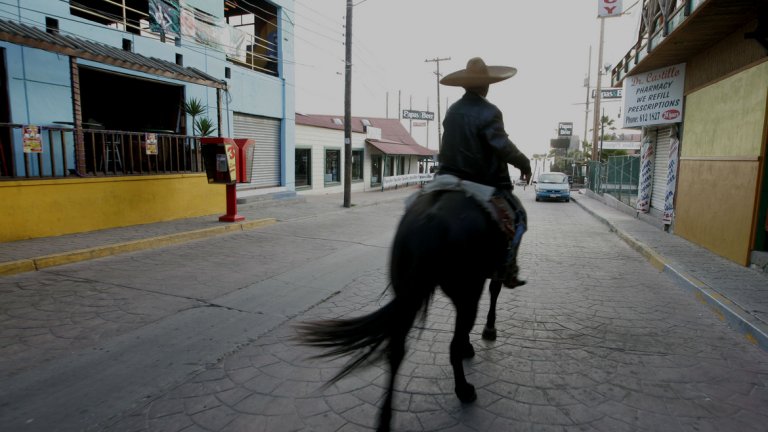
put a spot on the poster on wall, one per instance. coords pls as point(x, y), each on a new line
point(655, 97)
point(646, 176)
point(150, 144)
point(164, 17)
point(669, 198)
point(31, 139)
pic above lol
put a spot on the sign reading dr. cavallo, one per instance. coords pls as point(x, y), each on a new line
point(655, 97)
point(418, 115)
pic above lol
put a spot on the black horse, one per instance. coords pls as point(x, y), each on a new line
point(445, 239)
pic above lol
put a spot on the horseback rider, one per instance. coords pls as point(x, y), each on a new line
point(476, 148)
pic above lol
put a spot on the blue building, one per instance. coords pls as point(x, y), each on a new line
point(104, 102)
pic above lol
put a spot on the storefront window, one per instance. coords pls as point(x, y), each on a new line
point(332, 166)
point(357, 165)
point(389, 166)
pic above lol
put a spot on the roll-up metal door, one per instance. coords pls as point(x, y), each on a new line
point(660, 162)
point(266, 156)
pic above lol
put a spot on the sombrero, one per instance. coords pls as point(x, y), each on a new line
point(478, 74)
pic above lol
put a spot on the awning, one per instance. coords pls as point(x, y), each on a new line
point(33, 37)
point(709, 23)
point(400, 149)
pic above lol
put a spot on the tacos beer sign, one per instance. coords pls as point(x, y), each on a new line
point(655, 97)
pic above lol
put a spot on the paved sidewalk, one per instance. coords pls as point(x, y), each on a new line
point(35, 254)
point(736, 294)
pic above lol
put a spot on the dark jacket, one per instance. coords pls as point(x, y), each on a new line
point(475, 146)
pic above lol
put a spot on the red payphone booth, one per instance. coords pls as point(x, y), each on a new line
point(228, 161)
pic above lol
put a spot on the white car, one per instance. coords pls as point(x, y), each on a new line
point(553, 186)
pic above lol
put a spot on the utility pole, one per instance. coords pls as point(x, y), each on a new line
point(410, 121)
point(399, 105)
point(427, 124)
point(348, 110)
point(587, 85)
point(437, 61)
point(598, 90)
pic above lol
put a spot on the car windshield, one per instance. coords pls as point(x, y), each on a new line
point(552, 178)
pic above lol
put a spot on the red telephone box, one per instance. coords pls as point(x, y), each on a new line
point(220, 160)
point(245, 149)
point(223, 160)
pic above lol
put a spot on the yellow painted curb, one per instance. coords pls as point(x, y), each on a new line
point(13, 267)
point(656, 260)
point(130, 246)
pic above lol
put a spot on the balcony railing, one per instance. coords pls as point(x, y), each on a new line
point(648, 42)
point(100, 153)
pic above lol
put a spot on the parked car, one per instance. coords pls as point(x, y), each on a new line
point(553, 186)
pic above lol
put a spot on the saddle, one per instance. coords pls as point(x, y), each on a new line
point(499, 208)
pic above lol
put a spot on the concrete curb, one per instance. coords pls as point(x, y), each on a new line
point(754, 331)
point(47, 261)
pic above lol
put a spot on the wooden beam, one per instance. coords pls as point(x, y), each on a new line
point(101, 58)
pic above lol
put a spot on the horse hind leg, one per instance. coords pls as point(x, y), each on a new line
point(395, 355)
point(489, 332)
point(461, 348)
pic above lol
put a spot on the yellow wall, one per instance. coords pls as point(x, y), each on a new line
point(726, 118)
point(44, 208)
point(715, 206)
point(720, 161)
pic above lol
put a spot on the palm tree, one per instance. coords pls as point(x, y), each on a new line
point(194, 107)
point(606, 123)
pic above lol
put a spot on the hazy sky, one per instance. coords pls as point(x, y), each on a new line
point(548, 41)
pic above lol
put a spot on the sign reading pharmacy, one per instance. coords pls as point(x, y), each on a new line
point(655, 97)
point(418, 115)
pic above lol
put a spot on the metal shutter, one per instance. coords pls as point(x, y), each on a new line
point(266, 156)
point(660, 162)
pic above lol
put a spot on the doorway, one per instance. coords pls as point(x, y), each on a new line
point(303, 168)
point(6, 154)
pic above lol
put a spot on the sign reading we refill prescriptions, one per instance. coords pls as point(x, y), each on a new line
point(655, 97)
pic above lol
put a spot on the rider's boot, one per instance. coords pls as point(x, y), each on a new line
point(511, 280)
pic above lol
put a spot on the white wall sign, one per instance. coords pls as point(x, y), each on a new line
point(669, 199)
point(620, 145)
point(655, 97)
point(405, 179)
point(609, 8)
point(646, 176)
point(372, 132)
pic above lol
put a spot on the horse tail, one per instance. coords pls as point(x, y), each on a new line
point(365, 337)
point(412, 266)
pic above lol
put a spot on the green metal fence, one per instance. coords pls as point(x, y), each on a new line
point(619, 177)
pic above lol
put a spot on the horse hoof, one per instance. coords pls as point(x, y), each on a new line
point(489, 333)
point(466, 394)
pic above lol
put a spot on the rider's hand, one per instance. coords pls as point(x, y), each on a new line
point(527, 177)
